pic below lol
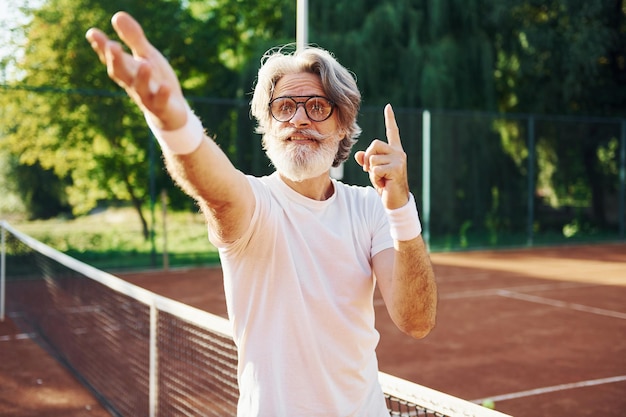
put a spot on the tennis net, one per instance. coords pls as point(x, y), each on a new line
point(143, 354)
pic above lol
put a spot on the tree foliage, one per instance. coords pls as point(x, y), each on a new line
point(74, 121)
point(63, 116)
point(566, 56)
point(412, 53)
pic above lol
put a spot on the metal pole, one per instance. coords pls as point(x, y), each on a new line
point(302, 24)
point(426, 177)
point(152, 187)
point(153, 378)
point(166, 256)
point(531, 180)
point(2, 270)
point(622, 181)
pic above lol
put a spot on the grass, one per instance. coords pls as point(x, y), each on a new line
point(113, 239)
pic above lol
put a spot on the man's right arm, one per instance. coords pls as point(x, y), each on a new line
point(223, 193)
point(206, 174)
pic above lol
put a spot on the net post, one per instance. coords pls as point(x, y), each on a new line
point(531, 181)
point(622, 181)
point(2, 269)
point(153, 376)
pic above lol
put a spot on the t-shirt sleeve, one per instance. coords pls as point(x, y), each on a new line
point(381, 237)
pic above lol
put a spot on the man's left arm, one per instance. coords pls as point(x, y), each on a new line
point(407, 283)
point(404, 274)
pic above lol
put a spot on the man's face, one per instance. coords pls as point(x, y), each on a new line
point(301, 148)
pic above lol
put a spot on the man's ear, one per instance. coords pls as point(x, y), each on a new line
point(343, 134)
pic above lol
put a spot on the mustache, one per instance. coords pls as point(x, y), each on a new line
point(308, 133)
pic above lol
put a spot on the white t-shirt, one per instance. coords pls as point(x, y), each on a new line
point(299, 292)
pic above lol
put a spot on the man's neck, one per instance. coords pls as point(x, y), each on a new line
point(318, 188)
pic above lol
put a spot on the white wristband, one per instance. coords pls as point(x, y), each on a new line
point(183, 140)
point(404, 222)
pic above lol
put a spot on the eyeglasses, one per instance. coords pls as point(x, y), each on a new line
point(317, 108)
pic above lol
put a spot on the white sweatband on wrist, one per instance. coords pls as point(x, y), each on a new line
point(181, 141)
point(404, 222)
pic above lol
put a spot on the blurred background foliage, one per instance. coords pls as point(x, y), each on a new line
point(71, 142)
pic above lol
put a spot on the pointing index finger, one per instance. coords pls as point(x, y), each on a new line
point(131, 33)
point(391, 128)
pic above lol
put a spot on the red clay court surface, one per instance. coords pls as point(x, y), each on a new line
point(540, 331)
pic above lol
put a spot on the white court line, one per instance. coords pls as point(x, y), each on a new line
point(562, 304)
point(466, 277)
point(19, 336)
point(555, 388)
point(469, 294)
point(495, 291)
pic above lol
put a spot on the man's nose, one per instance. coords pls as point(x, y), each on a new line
point(300, 118)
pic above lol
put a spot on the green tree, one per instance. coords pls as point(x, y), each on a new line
point(563, 56)
point(412, 53)
point(65, 115)
point(566, 57)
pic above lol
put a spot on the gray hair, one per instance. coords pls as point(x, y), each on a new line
point(338, 83)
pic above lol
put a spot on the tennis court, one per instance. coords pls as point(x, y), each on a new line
point(540, 331)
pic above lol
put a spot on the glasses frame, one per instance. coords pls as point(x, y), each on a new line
point(303, 104)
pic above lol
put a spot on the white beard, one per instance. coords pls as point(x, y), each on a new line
point(299, 162)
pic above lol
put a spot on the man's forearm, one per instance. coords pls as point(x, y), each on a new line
point(202, 174)
point(414, 289)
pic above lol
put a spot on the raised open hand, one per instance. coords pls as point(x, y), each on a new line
point(146, 76)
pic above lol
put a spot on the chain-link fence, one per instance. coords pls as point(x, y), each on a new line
point(486, 179)
point(492, 180)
